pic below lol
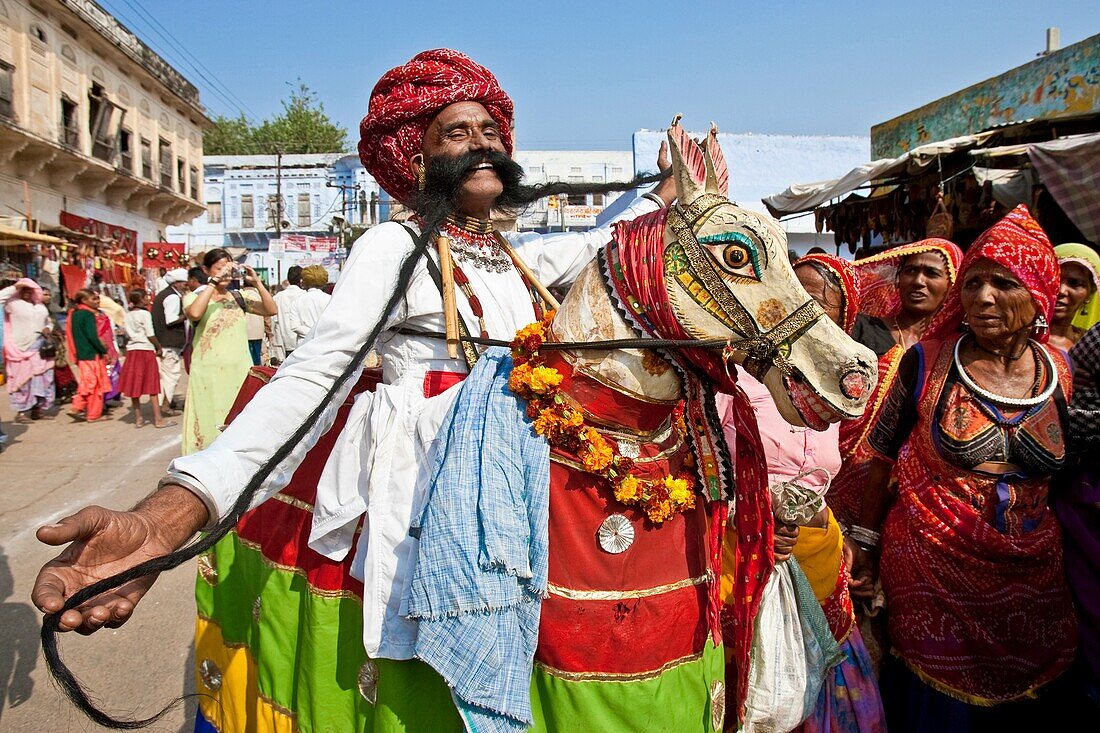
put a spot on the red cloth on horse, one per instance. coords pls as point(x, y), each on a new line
point(635, 263)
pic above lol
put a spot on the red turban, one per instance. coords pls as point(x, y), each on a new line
point(1017, 243)
point(405, 101)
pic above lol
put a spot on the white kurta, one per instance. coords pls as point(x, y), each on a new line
point(377, 463)
point(284, 320)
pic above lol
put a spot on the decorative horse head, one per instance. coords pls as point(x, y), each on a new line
point(707, 269)
point(727, 275)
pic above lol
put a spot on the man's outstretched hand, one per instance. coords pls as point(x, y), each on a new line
point(106, 542)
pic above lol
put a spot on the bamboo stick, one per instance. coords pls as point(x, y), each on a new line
point(450, 306)
point(547, 296)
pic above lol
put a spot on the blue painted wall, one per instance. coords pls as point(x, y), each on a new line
point(1065, 83)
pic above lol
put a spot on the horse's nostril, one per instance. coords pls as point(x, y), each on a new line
point(854, 384)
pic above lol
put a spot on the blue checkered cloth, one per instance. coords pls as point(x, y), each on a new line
point(481, 569)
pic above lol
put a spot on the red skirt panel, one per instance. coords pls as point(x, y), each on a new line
point(636, 612)
point(140, 374)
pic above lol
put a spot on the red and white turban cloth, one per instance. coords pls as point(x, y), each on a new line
point(404, 102)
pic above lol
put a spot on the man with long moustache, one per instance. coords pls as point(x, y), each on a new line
point(276, 618)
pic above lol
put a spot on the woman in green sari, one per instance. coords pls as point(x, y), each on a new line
point(220, 358)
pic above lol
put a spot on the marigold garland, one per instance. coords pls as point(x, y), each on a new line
point(558, 419)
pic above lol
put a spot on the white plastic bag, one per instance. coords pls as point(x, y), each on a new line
point(792, 650)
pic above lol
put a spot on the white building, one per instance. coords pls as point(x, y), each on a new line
point(99, 135)
point(572, 166)
point(319, 191)
point(760, 165)
point(241, 194)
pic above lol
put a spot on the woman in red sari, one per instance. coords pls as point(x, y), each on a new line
point(979, 615)
point(901, 290)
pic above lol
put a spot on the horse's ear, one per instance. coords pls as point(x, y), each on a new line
point(689, 169)
point(718, 174)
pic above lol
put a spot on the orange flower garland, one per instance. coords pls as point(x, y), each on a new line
point(560, 420)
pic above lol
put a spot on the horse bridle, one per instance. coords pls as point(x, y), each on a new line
point(762, 348)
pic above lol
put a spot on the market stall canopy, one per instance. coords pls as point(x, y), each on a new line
point(802, 197)
point(1070, 169)
point(11, 237)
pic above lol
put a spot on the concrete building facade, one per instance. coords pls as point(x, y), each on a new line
point(320, 192)
point(98, 134)
point(572, 166)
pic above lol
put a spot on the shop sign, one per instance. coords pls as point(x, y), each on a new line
point(123, 238)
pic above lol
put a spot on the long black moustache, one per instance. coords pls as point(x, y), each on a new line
point(62, 675)
point(443, 177)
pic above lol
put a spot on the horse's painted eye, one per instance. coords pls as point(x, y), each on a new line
point(736, 252)
point(736, 256)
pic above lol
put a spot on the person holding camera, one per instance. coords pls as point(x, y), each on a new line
point(28, 353)
point(220, 358)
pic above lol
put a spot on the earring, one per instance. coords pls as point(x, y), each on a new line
point(1040, 326)
point(965, 324)
point(420, 178)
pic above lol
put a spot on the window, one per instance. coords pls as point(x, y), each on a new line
point(303, 210)
point(70, 129)
point(146, 159)
point(7, 94)
point(578, 199)
point(126, 150)
point(575, 169)
point(37, 33)
point(214, 212)
point(181, 176)
point(616, 171)
point(597, 199)
point(274, 213)
point(165, 161)
point(576, 179)
point(247, 219)
point(194, 183)
point(104, 119)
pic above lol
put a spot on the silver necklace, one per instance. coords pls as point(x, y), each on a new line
point(480, 251)
point(1010, 401)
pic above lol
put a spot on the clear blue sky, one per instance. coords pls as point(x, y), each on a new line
point(585, 75)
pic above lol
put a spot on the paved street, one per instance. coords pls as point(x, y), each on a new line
point(48, 470)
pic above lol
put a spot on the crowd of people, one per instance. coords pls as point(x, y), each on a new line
point(99, 352)
point(961, 509)
point(949, 536)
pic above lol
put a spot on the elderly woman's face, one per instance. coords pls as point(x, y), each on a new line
point(821, 290)
point(996, 303)
point(1075, 287)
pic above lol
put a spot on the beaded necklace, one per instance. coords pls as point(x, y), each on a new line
point(476, 243)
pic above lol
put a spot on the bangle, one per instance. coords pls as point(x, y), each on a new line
point(655, 199)
point(868, 539)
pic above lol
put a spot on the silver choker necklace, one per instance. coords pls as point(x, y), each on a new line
point(1021, 402)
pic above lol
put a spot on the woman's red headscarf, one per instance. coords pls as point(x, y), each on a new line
point(878, 275)
point(407, 98)
point(849, 285)
point(1017, 243)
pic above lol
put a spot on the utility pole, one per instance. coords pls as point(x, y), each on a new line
point(278, 192)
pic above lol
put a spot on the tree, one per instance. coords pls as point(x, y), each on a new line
point(303, 127)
